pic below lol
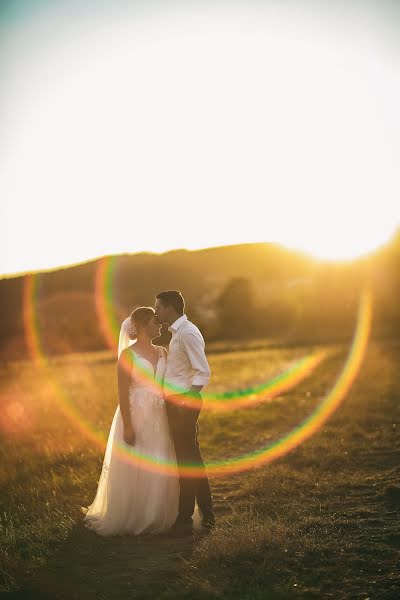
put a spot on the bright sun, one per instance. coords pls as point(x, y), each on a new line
point(197, 128)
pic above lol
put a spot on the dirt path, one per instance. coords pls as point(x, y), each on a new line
point(119, 567)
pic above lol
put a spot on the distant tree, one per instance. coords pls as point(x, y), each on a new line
point(236, 309)
point(276, 317)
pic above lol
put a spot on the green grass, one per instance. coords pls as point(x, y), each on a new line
point(321, 522)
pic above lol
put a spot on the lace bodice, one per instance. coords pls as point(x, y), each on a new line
point(145, 389)
point(144, 376)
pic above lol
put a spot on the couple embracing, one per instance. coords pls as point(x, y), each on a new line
point(149, 491)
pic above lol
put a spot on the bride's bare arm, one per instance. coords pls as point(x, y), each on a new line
point(124, 370)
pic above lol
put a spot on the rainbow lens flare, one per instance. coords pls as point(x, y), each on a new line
point(222, 402)
point(214, 402)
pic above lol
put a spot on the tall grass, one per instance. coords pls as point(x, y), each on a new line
point(322, 522)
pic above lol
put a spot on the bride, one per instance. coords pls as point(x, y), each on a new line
point(130, 498)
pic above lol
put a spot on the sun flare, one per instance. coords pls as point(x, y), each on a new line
point(251, 123)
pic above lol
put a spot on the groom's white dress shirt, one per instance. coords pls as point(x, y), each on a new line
point(186, 363)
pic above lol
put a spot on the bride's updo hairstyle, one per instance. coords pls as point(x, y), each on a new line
point(139, 318)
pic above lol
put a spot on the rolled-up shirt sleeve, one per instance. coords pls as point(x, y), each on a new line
point(194, 345)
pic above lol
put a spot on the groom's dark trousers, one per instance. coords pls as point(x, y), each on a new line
point(184, 428)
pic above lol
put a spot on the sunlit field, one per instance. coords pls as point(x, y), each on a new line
point(320, 522)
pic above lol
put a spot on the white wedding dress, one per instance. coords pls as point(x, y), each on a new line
point(129, 498)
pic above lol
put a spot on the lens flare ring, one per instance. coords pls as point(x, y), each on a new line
point(327, 406)
point(216, 402)
point(230, 401)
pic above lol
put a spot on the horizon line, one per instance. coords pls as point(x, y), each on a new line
point(303, 253)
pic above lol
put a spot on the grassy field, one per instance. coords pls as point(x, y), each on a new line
point(320, 522)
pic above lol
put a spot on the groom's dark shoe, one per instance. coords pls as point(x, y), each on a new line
point(208, 523)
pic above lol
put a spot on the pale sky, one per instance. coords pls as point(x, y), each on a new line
point(189, 125)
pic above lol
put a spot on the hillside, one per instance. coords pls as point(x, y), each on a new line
point(263, 289)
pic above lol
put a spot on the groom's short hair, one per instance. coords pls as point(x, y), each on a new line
point(173, 298)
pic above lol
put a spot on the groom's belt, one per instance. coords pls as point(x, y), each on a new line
point(185, 399)
point(187, 394)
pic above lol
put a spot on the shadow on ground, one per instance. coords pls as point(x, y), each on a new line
point(112, 567)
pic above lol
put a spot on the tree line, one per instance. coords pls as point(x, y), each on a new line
point(235, 292)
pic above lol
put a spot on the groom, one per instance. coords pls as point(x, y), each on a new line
point(188, 370)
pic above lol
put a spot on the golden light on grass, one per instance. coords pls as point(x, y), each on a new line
point(17, 417)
